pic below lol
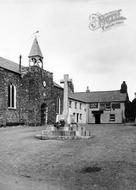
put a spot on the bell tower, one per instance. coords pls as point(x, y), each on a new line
point(35, 55)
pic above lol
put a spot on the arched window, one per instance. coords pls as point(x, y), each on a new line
point(11, 96)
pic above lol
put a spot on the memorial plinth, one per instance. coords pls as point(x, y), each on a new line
point(63, 129)
point(65, 133)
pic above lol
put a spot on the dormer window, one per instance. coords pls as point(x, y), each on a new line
point(11, 96)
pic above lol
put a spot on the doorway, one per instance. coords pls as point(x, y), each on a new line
point(44, 114)
point(97, 115)
point(97, 118)
point(77, 117)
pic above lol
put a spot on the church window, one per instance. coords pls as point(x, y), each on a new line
point(11, 96)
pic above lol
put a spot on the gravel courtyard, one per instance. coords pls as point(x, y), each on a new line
point(105, 162)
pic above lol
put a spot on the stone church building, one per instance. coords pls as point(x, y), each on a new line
point(28, 95)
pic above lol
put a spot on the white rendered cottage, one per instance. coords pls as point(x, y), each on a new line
point(93, 107)
point(97, 107)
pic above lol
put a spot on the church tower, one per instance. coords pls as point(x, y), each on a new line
point(35, 55)
point(42, 96)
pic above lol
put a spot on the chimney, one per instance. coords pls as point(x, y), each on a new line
point(20, 58)
point(123, 88)
point(87, 90)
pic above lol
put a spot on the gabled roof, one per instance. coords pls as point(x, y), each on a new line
point(9, 65)
point(35, 49)
point(99, 96)
point(57, 85)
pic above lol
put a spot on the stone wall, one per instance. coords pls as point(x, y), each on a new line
point(37, 94)
point(9, 115)
point(31, 94)
point(2, 98)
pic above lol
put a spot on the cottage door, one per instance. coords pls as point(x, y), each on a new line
point(97, 118)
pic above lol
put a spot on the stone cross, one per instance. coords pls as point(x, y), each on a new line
point(66, 80)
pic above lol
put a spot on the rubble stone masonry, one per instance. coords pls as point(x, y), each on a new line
point(31, 94)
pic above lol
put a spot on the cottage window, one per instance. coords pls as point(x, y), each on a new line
point(94, 105)
point(11, 96)
point(112, 117)
point(108, 106)
point(80, 116)
point(80, 106)
point(115, 106)
point(75, 105)
point(70, 104)
point(102, 106)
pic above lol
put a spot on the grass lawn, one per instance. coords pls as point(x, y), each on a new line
point(105, 162)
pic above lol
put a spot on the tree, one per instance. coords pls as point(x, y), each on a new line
point(129, 113)
point(134, 107)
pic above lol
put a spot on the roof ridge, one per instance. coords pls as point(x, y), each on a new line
point(99, 96)
point(56, 84)
point(96, 91)
point(106, 91)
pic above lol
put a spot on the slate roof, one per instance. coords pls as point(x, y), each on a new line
point(9, 65)
point(35, 49)
point(57, 85)
point(99, 96)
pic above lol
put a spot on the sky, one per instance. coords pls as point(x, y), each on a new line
point(98, 59)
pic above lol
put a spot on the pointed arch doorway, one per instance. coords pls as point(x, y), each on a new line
point(44, 114)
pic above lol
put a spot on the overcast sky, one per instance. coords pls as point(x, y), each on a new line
point(100, 60)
